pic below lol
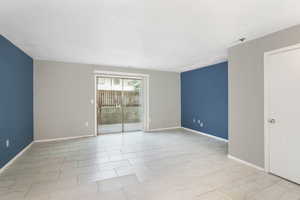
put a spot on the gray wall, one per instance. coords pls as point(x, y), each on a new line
point(246, 93)
point(63, 92)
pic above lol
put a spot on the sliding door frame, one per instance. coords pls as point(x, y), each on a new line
point(145, 93)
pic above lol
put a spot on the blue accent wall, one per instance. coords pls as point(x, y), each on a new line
point(204, 97)
point(16, 100)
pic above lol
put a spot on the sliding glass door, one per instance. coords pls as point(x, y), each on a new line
point(132, 105)
point(119, 104)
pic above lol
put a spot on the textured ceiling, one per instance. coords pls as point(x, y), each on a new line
point(170, 35)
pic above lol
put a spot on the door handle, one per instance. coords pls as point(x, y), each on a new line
point(272, 121)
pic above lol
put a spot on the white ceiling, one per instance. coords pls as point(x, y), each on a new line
point(155, 34)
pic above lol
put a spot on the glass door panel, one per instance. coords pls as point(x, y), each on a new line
point(109, 105)
point(132, 101)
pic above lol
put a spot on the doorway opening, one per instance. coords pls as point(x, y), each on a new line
point(120, 104)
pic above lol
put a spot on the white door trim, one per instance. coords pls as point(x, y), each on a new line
point(267, 98)
point(144, 77)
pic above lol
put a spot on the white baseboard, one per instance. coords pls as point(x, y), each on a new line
point(245, 162)
point(164, 129)
point(16, 157)
point(205, 134)
point(64, 138)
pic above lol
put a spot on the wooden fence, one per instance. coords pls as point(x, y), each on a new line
point(109, 104)
point(112, 98)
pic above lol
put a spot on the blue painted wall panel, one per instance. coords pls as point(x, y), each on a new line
point(16, 100)
point(204, 96)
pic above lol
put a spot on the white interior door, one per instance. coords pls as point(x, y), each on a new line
point(283, 92)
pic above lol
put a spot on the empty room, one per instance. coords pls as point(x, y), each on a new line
point(149, 100)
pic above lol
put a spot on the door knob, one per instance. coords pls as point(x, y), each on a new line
point(272, 121)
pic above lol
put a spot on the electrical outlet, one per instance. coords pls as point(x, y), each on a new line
point(7, 143)
point(87, 124)
point(201, 124)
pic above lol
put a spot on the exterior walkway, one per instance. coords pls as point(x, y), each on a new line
point(117, 128)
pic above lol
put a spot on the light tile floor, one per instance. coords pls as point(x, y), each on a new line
point(168, 165)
